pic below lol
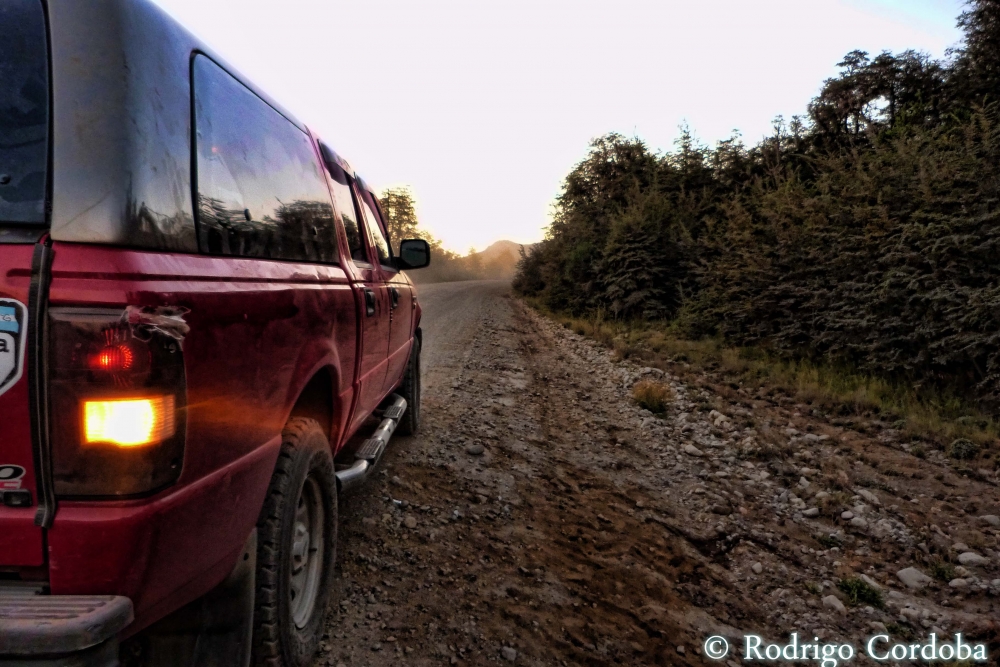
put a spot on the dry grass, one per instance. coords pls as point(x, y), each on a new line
point(919, 414)
point(652, 395)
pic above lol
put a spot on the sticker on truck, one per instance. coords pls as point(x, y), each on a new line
point(13, 333)
point(10, 477)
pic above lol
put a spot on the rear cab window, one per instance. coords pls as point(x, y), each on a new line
point(260, 188)
point(24, 112)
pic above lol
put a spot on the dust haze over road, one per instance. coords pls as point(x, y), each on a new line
point(541, 517)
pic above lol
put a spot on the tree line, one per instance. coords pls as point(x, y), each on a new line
point(866, 232)
point(446, 266)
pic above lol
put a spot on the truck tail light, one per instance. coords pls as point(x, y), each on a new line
point(129, 422)
point(118, 397)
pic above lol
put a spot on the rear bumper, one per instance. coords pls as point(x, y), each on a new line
point(61, 630)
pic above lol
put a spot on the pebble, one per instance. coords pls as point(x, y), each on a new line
point(972, 558)
point(913, 578)
point(719, 420)
point(869, 496)
point(832, 602)
point(858, 522)
point(959, 583)
point(871, 582)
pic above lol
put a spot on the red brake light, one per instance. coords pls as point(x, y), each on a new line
point(113, 359)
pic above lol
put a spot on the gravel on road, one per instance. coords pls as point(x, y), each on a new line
point(541, 517)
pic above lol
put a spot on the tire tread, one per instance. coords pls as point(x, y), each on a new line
point(273, 645)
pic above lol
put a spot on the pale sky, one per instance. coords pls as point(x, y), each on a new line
point(482, 107)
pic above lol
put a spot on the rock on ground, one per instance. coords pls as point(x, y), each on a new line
point(584, 533)
point(913, 578)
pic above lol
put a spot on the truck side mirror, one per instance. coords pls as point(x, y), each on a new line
point(413, 254)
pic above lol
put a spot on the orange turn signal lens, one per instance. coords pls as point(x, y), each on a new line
point(130, 422)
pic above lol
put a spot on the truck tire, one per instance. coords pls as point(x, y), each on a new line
point(409, 423)
point(296, 549)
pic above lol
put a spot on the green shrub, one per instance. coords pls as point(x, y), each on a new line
point(942, 571)
point(904, 632)
point(859, 591)
point(864, 237)
point(828, 541)
point(963, 449)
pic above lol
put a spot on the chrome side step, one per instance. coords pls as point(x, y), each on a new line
point(371, 450)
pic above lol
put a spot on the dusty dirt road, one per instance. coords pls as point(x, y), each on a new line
point(542, 518)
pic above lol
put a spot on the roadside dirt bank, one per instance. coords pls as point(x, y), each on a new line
point(542, 518)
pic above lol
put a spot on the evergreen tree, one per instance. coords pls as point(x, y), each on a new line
point(401, 216)
point(868, 233)
point(978, 63)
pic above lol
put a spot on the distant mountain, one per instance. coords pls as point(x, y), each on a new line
point(497, 261)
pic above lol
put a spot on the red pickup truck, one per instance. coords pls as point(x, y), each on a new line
point(201, 319)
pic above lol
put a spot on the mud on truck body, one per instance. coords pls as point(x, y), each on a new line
point(201, 318)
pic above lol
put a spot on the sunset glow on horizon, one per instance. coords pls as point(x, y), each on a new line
point(482, 108)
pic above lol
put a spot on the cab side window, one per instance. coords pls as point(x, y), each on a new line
point(345, 203)
point(378, 236)
point(343, 199)
point(261, 191)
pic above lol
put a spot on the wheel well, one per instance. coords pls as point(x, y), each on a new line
point(316, 401)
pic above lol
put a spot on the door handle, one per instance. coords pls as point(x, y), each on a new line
point(369, 302)
point(395, 297)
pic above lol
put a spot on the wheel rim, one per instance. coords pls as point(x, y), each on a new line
point(306, 562)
